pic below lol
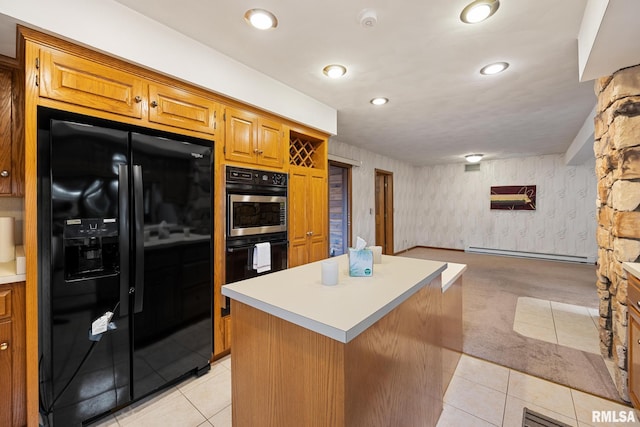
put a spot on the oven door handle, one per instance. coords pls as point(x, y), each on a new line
point(243, 248)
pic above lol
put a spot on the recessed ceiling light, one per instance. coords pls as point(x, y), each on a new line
point(473, 158)
point(494, 68)
point(379, 101)
point(261, 19)
point(479, 10)
point(334, 71)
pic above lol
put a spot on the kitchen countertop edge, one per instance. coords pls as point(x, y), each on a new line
point(336, 333)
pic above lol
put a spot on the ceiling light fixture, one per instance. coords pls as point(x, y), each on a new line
point(494, 68)
point(379, 101)
point(479, 10)
point(473, 158)
point(261, 19)
point(334, 71)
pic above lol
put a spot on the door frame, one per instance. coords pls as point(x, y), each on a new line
point(349, 169)
point(387, 202)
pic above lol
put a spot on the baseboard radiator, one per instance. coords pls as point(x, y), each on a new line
point(536, 255)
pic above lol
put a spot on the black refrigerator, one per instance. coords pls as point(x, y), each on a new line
point(125, 264)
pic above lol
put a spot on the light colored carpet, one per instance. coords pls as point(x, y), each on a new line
point(491, 287)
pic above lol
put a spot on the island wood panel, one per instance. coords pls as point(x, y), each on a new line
point(451, 331)
point(390, 374)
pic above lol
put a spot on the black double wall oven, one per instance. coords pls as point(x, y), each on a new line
point(256, 213)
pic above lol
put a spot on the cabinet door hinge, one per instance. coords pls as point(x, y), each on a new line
point(37, 81)
point(224, 149)
point(224, 117)
point(37, 62)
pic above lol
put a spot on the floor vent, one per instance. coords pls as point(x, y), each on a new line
point(536, 255)
point(533, 419)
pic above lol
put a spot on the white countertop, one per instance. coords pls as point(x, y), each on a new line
point(342, 311)
point(632, 267)
point(451, 274)
point(8, 273)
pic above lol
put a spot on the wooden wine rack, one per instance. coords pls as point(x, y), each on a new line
point(302, 152)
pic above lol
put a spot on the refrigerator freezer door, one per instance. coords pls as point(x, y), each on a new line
point(172, 333)
point(83, 374)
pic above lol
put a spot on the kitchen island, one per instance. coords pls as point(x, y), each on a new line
point(365, 352)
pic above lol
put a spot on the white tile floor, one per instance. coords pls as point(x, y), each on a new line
point(483, 394)
point(196, 402)
point(570, 325)
point(480, 393)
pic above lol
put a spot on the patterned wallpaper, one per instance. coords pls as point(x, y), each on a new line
point(455, 207)
point(444, 206)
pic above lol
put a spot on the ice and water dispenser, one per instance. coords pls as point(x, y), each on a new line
point(90, 248)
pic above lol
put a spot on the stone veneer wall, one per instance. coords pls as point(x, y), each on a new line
point(617, 150)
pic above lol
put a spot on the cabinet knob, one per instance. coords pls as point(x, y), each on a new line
point(255, 151)
point(4, 174)
point(4, 346)
point(309, 233)
point(154, 104)
point(260, 151)
point(138, 99)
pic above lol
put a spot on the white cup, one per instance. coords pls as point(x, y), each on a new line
point(330, 272)
point(377, 254)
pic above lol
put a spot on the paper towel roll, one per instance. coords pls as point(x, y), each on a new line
point(7, 242)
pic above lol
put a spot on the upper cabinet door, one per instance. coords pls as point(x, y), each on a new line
point(78, 81)
point(250, 138)
point(6, 169)
point(270, 146)
point(179, 108)
point(240, 136)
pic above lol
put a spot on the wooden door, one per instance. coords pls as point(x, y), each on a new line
point(6, 167)
point(317, 215)
point(270, 143)
point(298, 227)
point(240, 136)
point(339, 187)
point(384, 210)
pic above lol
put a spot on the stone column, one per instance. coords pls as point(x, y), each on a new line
point(617, 150)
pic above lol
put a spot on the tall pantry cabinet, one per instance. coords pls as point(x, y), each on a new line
point(308, 199)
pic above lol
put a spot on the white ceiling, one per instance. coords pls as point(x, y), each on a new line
point(420, 56)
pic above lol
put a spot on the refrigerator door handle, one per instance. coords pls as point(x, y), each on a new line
point(138, 212)
point(123, 210)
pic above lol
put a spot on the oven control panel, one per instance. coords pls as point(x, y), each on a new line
point(257, 177)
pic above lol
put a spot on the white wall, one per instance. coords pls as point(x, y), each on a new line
point(454, 207)
point(443, 206)
point(363, 199)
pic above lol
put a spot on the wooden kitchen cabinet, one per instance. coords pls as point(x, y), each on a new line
point(75, 80)
point(88, 84)
point(308, 198)
point(179, 108)
point(250, 138)
point(12, 355)
point(11, 132)
point(633, 360)
point(308, 240)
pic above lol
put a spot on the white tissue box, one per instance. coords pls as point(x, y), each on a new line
point(360, 262)
point(21, 262)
